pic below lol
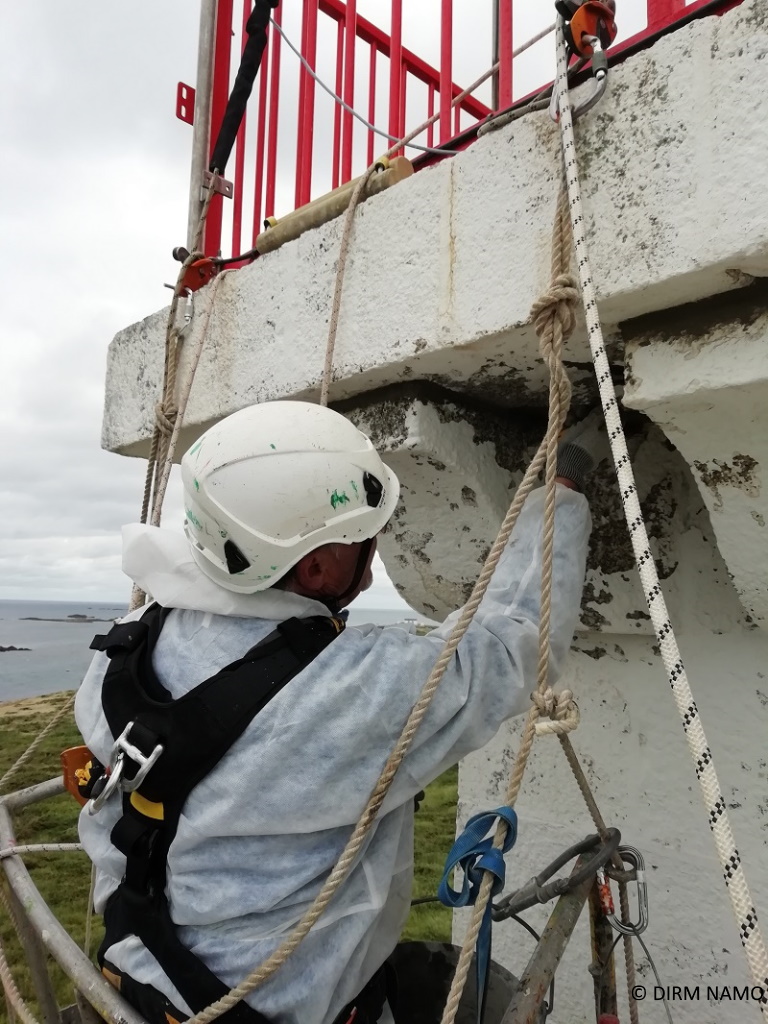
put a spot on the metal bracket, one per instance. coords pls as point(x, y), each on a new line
point(185, 103)
point(220, 185)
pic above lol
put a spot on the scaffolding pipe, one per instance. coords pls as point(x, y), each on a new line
point(202, 122)
point(86, 978)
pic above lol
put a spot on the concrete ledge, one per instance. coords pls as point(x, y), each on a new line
point(444, 267)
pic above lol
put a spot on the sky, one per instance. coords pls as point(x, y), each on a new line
point(94, 198)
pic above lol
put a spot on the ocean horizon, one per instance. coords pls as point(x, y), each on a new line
point(57, 635)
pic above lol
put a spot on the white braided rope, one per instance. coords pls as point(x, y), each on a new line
point(733, 872)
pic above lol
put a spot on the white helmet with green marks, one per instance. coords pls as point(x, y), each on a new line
point(270, 483)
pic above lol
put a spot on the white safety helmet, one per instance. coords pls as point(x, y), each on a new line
point(270, 483)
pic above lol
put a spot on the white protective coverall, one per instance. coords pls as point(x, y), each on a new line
point(259, 835)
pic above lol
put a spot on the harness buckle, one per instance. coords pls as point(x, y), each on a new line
point(114, 776)
point(633, 857)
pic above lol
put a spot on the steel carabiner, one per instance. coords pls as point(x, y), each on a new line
point(600, 72)
point(633, 857)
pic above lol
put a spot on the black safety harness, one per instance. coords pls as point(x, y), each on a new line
point(163, 749)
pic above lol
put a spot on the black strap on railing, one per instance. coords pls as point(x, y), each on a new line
point(256, 28)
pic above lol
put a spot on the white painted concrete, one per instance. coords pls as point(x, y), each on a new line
point(632, 746)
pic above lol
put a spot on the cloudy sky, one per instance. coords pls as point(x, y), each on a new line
point(94, 198)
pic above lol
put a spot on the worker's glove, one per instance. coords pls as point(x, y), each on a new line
point(582, 447)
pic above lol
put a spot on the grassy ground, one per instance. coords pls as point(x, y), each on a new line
point(63, 878)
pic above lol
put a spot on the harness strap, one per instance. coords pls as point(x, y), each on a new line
point(132, 913)
point(193, 734)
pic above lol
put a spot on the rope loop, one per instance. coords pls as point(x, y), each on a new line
point(561, 710)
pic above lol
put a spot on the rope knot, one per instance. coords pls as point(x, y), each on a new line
point(560, 708)
point(558, 303)
point(165, 417)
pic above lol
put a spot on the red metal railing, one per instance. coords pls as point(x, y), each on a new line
point(286, 136)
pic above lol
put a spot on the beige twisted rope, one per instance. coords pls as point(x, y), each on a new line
point(21, 761)
point(167, 412)
point(554, 320)
point(560, 708)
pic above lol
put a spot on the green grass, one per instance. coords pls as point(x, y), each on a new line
point(63, 878)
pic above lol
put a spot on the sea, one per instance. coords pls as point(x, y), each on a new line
point(58, 633)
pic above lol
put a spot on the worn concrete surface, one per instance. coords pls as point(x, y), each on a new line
point(702, 375)
point(459, 464)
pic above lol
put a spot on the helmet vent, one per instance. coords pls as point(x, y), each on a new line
point(236, 560)
point(373, 490)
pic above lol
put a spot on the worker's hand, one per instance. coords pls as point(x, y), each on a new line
point(582, 447)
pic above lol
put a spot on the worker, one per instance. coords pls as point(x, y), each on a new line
point(283, 505)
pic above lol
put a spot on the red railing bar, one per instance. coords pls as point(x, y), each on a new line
point(308, 111)
point(663, 12)
point(505, 53)
point(350, 31)
point(261, 136)
point(430, 112)
point(238, 180)
point(274, 97)
point(395, 59)
point(457, 119)
point(369, 33)
point(403, 89)
point(219, 97)
point(425, 74)
point(446, 68)
point(303, 78)
point(336, 106)
point(372, 103)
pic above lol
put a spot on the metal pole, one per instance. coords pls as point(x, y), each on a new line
point(603, 968)
point(525, 1007)
point(395, 58)
point(96, 989)
point(446, 69)
point(202, 124)
point(34, 954)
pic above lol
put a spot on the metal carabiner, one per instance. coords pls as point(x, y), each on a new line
point(633, 857)
point(599, 60)
point(111, 777)
point(116, 769)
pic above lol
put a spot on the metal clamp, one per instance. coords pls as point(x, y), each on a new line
point(115, 771)
point(540, 890)
point(218, 183)
point(632, 856)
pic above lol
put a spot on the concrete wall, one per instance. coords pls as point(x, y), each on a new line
point(437, 360)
